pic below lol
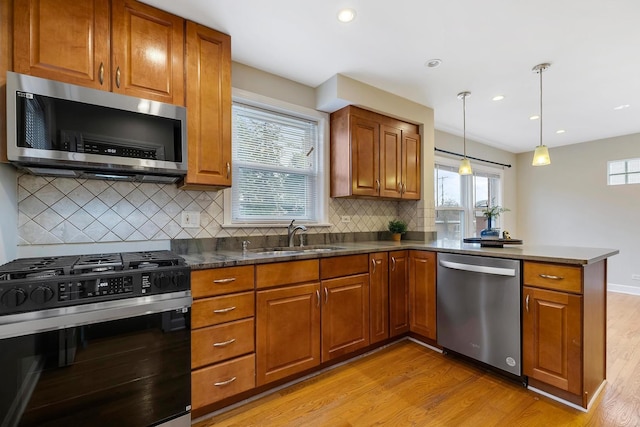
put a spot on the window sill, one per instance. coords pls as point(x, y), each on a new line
point(274, 225)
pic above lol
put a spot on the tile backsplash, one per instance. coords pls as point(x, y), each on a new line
point(67, 210)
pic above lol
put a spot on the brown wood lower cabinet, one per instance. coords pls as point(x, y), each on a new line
point(288, 331)
point(345, 315)
point(216, 382)
point(564, 328)
point(398, 293)
point(422, 293)
point(378, 297)
point(551, 325)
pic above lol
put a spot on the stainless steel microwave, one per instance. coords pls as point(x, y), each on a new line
point(59, 129)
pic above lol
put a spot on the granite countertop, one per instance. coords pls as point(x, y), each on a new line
point(558, 254)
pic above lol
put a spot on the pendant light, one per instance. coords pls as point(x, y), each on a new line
point(541, 155)
point(465, 164)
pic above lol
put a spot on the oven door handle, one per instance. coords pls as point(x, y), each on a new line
point(497, 271)
point(33, 322)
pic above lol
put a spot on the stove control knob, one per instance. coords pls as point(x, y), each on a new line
point(14, 297)
point(41, 294)
point(181, 280)
point(162, 281)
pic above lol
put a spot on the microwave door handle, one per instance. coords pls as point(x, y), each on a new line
point(497, 271)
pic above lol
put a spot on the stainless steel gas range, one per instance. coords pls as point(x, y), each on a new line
point(100, 340)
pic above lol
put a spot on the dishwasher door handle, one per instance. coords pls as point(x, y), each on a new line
point(479, 268)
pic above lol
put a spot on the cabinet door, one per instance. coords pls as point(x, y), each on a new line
point(147, 52)
point(208, 107)
point(345, 315)
point(390, 162)
point(422, 293)
point(288, 331)
point(552, 338)
point(378, 297)
point(398, 293)
point(411, 173)
point(63, 40)
point(365, 156)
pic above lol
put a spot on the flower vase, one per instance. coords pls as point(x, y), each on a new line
point(490, 232)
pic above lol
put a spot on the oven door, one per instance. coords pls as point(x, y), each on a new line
point(129, 371)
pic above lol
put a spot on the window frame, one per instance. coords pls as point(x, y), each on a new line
point(466, 193)
point(322, 180)
point(626, 173)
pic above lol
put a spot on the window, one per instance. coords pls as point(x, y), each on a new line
point(277, 158)
point(461, 199)
point(622, 172)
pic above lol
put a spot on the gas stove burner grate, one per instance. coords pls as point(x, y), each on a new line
point(42, 274)
point(148, 265)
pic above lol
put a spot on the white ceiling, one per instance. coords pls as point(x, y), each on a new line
point(487, 47)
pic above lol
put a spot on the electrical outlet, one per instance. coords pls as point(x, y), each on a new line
point(345, 218)
point(190, 219)
point(635, 276)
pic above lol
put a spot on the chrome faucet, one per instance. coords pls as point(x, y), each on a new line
point(292, 231)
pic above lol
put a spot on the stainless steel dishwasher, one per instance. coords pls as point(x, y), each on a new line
point(478, 309)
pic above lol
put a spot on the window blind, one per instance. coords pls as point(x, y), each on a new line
point(274, 166)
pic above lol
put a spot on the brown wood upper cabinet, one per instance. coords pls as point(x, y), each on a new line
point(208, 76)
point(122, 46)
point(374, 156)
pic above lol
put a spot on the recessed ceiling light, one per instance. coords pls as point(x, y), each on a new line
point(346, 15)
point(498, 98)
point(433, 63)
point(560, 131)
point(534, 117)
point(622, 107)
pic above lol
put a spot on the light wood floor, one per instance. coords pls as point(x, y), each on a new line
point(409, 385)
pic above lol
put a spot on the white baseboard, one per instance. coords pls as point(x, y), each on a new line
point(623, 289)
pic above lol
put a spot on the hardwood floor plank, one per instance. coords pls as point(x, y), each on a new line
point(409, 385)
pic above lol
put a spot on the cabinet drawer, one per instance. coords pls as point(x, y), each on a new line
point(213, 311)
point(214, 383)
point(286, 273)
point(220, 281)
point(217, 343)
point(344, 266)
point(553, 276)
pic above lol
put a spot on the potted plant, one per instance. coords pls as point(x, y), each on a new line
point(397, 227)
point(491, 213)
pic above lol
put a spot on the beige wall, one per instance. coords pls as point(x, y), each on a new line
point(569, 203)
point(449, 142)
point(62, 215)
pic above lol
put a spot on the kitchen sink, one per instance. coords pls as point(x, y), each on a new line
point(296, 250)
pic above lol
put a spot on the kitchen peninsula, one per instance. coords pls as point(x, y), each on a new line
point(305, 308)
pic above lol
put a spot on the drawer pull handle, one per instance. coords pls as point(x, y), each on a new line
point(547, 276)
point(224, 310)
point(224, 343)
point(221, 383)
point(227, 280)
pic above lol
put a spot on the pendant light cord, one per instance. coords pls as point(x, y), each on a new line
point(541, 70)
point(464, 125)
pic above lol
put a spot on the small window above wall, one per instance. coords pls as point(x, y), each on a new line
point(622, 172)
